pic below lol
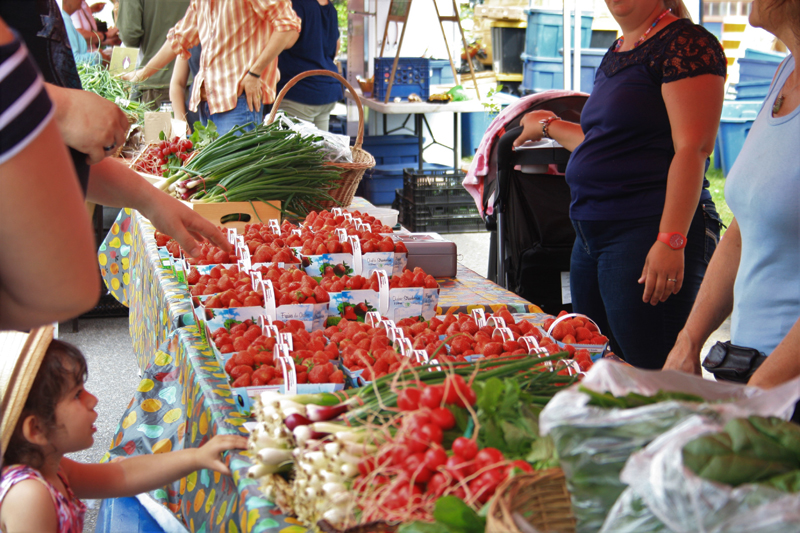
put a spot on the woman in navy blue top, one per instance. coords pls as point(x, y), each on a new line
point(312, 98)
point(645, 222)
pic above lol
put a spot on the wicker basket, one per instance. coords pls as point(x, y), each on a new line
point(541, 499)
point(362, 160)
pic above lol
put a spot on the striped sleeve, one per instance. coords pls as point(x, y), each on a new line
point(25, 108)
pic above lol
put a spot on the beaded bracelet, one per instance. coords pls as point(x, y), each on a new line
point(546, 125)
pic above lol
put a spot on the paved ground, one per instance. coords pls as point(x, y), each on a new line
point(113, 376)
point(113, 373)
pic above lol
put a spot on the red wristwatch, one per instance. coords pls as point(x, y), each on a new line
point(674, 240)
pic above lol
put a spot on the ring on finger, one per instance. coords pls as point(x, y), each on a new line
point(672, 280)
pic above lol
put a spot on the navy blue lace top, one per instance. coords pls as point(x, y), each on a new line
point(620, 170)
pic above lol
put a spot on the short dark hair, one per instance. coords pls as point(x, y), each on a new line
point(63, 367)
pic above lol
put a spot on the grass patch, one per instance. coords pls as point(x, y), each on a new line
point(717, 188)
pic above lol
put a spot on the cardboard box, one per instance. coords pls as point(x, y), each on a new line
point(429, 251)
point(123, 60)
point(251, 212)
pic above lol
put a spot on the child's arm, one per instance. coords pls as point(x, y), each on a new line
point(147, 472)
point(28, 506)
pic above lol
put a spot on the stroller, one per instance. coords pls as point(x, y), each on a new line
point(526, 206)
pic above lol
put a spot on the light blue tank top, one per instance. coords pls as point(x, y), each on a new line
point(763, 191)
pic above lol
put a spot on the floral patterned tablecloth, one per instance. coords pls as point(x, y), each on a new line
point(182, 400)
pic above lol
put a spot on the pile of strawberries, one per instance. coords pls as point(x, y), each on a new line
point(325, 220)
point(470, 339)
point(232, 288)
point(409, 278)
point(253, 361)
point(364, 347)
point(575, 330)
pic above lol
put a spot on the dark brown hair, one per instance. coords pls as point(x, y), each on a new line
point(63, 367)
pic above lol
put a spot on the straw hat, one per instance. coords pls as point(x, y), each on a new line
point(21, 355)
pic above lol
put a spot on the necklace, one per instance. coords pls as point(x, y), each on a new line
point(645, 34)
point(779, 100)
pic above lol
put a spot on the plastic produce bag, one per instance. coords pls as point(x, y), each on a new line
point(337, 147)
point(593, 443)
point(664, 495)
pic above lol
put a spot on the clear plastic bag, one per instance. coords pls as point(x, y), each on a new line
point(662, 491)
point(593, 443)
point(337, 147)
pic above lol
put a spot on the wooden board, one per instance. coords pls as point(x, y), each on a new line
point(214, 212)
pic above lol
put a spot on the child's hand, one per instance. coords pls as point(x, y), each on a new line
point(208, 455)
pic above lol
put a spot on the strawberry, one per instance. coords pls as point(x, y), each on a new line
point(243, 381)
point(582, 334)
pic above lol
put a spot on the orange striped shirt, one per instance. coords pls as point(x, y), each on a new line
point(232, 33)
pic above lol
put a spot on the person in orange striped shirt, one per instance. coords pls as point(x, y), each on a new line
point(241, 40)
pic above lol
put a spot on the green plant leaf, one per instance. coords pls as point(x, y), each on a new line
point(458, 516)
point(423, 527)
point(490, 395)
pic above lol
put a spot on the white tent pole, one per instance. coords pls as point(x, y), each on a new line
point(576, 59)
point(566, 25)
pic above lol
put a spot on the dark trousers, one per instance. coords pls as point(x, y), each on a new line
point(607, 262)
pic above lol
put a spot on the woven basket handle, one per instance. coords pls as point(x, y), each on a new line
point(291, 83)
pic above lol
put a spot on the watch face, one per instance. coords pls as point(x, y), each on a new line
point(676, 241)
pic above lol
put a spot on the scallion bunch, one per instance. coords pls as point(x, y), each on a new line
point(268, 163)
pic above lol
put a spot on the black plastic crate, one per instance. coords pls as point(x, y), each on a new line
point(435, 187)
point(440, 219)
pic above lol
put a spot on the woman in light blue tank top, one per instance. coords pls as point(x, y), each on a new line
point(755, 272)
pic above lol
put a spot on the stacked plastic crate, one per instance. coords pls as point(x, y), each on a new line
point(434, 201)
point(543, 67)
point(756, 70)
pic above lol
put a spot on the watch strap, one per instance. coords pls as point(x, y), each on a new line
point(674, 239)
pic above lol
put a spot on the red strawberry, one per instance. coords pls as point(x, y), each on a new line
point(243, 381)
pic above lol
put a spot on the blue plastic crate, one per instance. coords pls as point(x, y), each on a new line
point(737, 119)
point(441, 73)
point(544, 36)
point(392, 149)
point(379, 183)
point(474, 125)
point(752, 90)
point(751, 53)
point(756, 69)
point(545, 73)
point(412, 76)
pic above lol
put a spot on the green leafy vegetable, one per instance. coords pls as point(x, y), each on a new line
point(452, 515)
point(202, 136)
point(97, 79)
point(458, 516)
point(633, 400)
point(751, 450)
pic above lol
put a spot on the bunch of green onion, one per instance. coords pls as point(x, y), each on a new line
point(369, 401)
point(97, 79)
point(268, 163)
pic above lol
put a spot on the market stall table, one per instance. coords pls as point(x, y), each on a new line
point(184, 397)
point(419, 110)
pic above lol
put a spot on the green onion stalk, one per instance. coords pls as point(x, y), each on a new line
point(99, 80)
point(530, 373)
point(268, 163)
